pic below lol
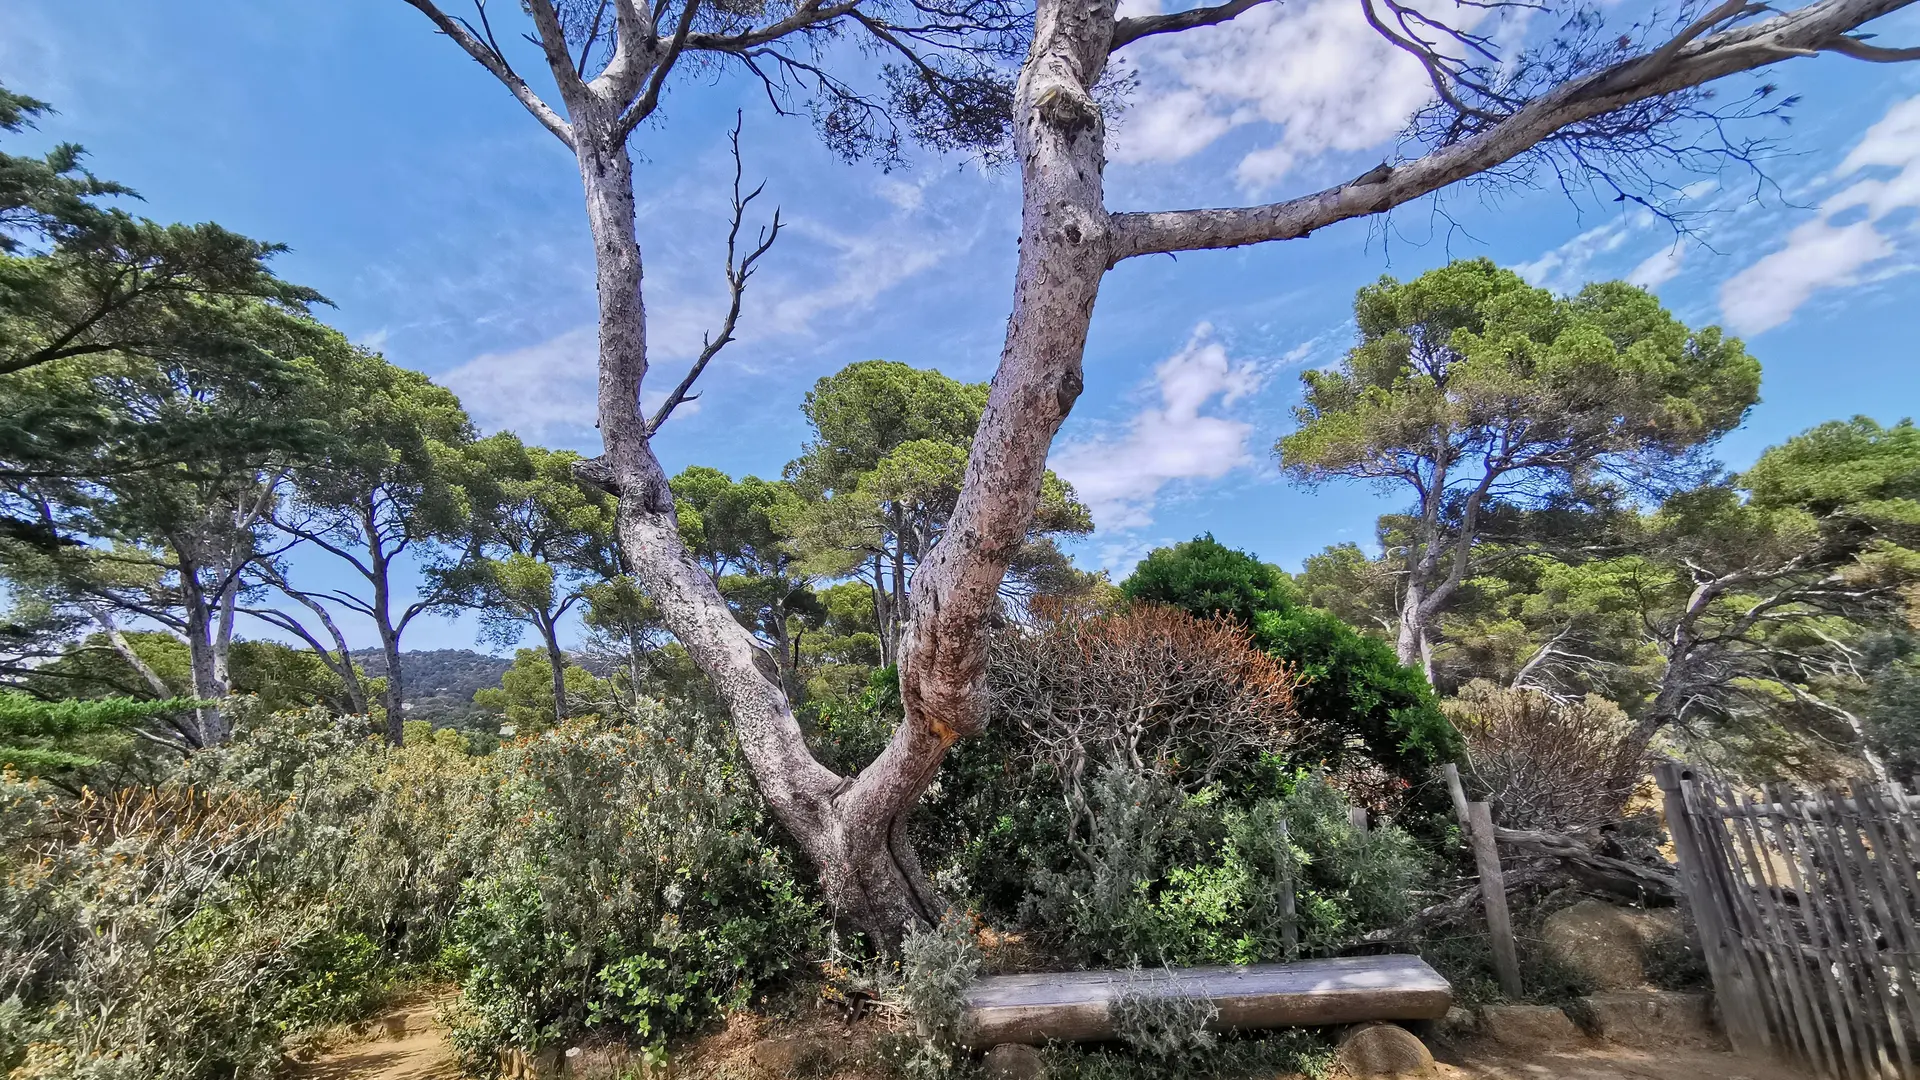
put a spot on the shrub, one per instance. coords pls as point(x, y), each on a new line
point(1152, 688)
point(629, 890)
point(136, 939)
point(387, 834)
point(197, 927)
point(937, 966)
point(1366, 702)
point(1168, 877)
point(1549, 764)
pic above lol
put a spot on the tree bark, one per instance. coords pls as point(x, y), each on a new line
point(380, 576)
point(550, 634)
point(198, 630)
point(867, 871)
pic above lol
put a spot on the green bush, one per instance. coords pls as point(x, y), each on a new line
point(629, 890)
point(1369, 702)
point(146, 935)
point(1175, 877)
point(199, 927)
point(387, 834)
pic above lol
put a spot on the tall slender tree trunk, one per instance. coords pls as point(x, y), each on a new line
point(394, 698)
point(198, 627)
point(1412, 631)
point(883, 615)
point(550, 634)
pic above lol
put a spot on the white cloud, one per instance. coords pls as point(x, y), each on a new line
point(1821, 254)
point(547, 392)
point(1566, 268)
point(544, 392)
point(1173, 440)
point(1817, 256)
point(1313, 68)
point(1119, 557)
point(1658, 268)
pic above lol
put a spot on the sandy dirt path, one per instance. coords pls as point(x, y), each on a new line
point(408, 1045)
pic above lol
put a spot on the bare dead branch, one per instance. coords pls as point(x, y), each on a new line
point(738, 273)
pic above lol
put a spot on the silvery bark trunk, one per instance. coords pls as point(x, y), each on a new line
point(866, 872)
point(557, 658)
point(394, 698)
point(1408, 640)
point(198, 627)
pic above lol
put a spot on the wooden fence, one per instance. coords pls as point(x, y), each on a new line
point(1807, 906)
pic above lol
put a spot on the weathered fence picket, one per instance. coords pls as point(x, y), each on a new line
point(1807, 906)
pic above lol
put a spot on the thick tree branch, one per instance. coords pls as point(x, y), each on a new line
point(804, 17)
point(552, 39)
point(1856, 46)
point(1128, 31)
point(662, 67)
point(494, 61)
point(1822, 25)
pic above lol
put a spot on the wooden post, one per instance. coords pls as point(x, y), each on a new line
point(1732, 977)
point(1289, 920)
point(1493, 891)
point(1459, 795)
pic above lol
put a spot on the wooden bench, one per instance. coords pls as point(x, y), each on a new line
point(1309, 993)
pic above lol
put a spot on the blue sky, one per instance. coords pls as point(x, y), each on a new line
point(446, 226)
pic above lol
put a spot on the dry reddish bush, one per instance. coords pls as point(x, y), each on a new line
point(1551, 764)
point(1150, 687)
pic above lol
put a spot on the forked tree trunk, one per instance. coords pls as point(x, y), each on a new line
point(854, 830)
point(859, 873)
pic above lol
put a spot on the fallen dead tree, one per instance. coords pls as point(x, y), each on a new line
point(1642, 883)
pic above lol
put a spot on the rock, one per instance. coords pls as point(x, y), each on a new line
point(605, 1062)
point(1528, 1027)
point(1605, 943)
point(542, 1065)
point(1015, 1061)
point(1650, 1019)
point(1458, 1024)
point(795, 1055)
point(1383, 1050)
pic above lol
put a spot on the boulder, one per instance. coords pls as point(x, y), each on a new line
point(1383, 1050)
point(1458, 1024)
point(1015, 1061)
point(1605, 943)
point(1650, 1019)
point(1528, 1027)
point(795, 1055)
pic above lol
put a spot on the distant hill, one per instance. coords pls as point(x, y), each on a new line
point(440, 682)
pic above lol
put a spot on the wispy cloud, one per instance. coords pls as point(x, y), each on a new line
point(546, 391)
point(1852, 233)
point(1180, 437)
point(1314, 69)
point(1570, 266)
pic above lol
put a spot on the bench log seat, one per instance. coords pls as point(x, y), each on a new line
point(1072, 1006)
